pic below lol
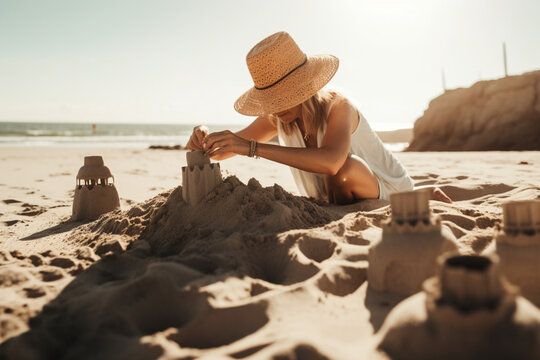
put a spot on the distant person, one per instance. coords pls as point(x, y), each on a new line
point(94, 128)
point(333, 153)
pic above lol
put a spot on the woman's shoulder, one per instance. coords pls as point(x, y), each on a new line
point(340, 104)
point(342, 109)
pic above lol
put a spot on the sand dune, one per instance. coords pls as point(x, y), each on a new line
point(254, 271)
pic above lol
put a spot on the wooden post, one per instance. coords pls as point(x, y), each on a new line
point(443, 80)
point(504, 58)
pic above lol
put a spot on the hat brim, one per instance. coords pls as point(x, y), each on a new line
point(294, 89)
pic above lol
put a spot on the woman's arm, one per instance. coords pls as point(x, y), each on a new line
point(261, 130)
point(327, 159)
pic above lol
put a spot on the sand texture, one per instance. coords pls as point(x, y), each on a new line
point(252, 271)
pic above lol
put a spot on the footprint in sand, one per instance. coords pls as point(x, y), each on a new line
point(480, 242)
point(275, 264)
point(484, 222)
point(17, 254)
point(11, 201)
point(48, 253)
point(343, 280)
point(470, 212)
point(62, 262)
point(361, 223)
point(34, 292)
point(36, 260)
point(316, 249)
point(31, 210)
point(51, 274)
point(11, 222)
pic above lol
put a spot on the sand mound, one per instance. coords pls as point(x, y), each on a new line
point(197, 277)
point(231, 207)
point(167, 222)
point(249, 272)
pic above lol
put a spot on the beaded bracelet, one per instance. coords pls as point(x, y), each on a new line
point(253, 148)
point(255, 151)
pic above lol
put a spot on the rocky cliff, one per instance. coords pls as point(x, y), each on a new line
point(501, 114)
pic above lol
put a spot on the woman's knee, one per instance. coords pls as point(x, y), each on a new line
point(356, 177)
point(341, 175)
point(354, 166)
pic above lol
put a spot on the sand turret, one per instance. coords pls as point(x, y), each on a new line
point(411, 240)
point(467, 311)
point(517, 244)
point(95, 193)
point(199, 177)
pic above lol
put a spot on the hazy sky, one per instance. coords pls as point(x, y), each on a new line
point(168, 61)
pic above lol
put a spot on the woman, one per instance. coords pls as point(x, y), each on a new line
point(333, 153)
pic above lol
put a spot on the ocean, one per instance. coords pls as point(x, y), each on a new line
point(42, 134)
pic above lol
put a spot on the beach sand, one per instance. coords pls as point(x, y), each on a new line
point(253, 271)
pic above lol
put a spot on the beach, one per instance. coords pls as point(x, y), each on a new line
point(254, 270)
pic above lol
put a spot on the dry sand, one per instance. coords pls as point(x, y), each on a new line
point(253, 271)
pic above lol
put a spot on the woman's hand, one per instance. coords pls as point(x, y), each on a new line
point(196, 140)
point(225, 142)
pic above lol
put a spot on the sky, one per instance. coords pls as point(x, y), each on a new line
point(172, 61)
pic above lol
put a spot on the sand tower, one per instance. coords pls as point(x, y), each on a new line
point(517, 244)
point(468, 311)
point(199, 177)
point(411, 240)
point(95, 193)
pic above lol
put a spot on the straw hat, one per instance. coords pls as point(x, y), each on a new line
point(283, 75)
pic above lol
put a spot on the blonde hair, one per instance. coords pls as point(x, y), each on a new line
point(315, 111)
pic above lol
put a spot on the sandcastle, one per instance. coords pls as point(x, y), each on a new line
point(199, 177)
point(468, 311)
point(411, 240)
point(95, 193)
point(517, 244)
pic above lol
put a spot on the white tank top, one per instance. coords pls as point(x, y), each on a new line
point(390, 172)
